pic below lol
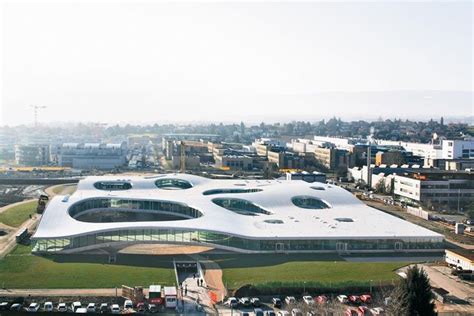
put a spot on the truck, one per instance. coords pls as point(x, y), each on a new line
point(154, 295)
point(170, 296)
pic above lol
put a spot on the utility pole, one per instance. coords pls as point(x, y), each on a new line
point(369, 161)
point(35, 110)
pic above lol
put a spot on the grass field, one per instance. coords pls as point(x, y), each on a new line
point(64, 189)
point(20, 269)
point(311, 269)
point(18, 214)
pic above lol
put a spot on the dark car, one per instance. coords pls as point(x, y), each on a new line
point(276, 302)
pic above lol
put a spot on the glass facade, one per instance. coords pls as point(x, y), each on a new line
point(240, 206)
point(113, 185)
point(309, 202)
point(173, 184)
point(221, 191)
point(165, 207)
point(224, 240)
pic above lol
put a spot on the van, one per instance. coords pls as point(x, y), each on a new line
point(75, 306)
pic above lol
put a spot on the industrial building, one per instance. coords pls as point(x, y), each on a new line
point(262, 216)
point(92, 155)
point(32, 155)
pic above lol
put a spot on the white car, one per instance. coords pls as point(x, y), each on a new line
point(33, 308)
point(283, 313)
point(91, 308)
point(232, 302)
point(62, 307)
point(245, 301)
point(128, 304)
point(343, 299)
point(48, 307)
point(115, 309)
point(75, 306)
point(81, 310)
point(296, 312)
point(290, 300)
point(308, 300)
point(377, 311)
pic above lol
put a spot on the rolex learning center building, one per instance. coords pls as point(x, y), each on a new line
point(238, 215)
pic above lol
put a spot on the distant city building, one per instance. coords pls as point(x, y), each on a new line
point(32, 155)
point(391, 157)
point(451, 189)
point(92, 155)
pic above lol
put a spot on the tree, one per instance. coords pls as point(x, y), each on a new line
point(414, 296)
point(380, 187)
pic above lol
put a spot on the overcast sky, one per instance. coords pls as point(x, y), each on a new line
point(155, 62)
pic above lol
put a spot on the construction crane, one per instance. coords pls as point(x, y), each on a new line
point(35, 109)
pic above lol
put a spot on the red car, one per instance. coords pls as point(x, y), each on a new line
point(364, 310)
point(321, 299)
point(353, 312)
point(354, 299)
point(366, 298)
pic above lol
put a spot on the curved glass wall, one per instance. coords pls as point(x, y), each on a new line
point(173, 184)
point(197, 237)
point(309, 202)
point(240, 206)
point(102, 210)
point(222, 191)
point(113, 185)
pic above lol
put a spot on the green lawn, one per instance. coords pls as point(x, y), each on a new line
point(311, 269)
point(18, 214)
point(20, 269)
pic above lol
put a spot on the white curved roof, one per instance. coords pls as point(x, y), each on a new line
point(275, 197)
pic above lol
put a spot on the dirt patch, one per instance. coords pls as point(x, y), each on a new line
point(164, 249)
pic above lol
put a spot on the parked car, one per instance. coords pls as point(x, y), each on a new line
point(290, 300)
point(308, 300)
point(352, 312)
point(366, 298)
point(115, 309)
point(3, 306)
point(321, 299)
point(75, 305)
point(269, 313)
point(276, 302)
point(33, 308)
point(283, 313)
point(258, 312)
point(152, 308)
point(62, 307)
point(232, 302)
point(141, 307)
point(81, 310)
point(354, 299)
point(244, 314)
point(364, 310)
point(16, 307)
point(343, 299)
point(91, 308)
point(377, 311)
point(245, 301)
point(48, 307)
point(296, 312)
point(104, 308)
point(128, 304)
point(255, 301)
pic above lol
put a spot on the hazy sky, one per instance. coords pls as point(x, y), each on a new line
point(130, 62)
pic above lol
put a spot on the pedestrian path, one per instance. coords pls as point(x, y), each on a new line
point(194, 294)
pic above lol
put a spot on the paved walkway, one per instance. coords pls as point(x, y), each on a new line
point(193, 295)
